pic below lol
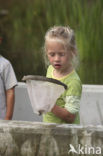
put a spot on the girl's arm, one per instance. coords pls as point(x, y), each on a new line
point(63, 114)
point(9, 103)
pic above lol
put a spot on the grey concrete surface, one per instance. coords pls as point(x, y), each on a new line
point(23, 109)
point(91, 105)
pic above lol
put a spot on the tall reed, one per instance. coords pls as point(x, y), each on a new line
point(28, 21)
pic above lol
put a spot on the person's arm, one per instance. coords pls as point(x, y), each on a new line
point(72, 103)
point(9, 103)
point(63, 114)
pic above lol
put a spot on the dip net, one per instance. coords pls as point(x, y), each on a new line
point(43, 92)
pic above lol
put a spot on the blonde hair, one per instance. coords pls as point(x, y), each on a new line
point(64, 35)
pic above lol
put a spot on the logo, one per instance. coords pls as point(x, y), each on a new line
point(84, 150)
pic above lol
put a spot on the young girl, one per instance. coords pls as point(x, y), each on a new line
point(61, 51)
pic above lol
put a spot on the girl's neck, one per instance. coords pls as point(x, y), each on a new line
point(60, 74)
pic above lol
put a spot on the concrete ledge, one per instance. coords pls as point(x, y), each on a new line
point(93, 88)
point(21, 138)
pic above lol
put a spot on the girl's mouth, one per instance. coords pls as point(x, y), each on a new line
point(57, 66)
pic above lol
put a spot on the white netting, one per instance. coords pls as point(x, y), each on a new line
point(43, 95)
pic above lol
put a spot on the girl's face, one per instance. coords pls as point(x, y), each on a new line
point(59, 57)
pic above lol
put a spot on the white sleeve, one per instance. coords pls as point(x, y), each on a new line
point(72, 104)
point(9, 77)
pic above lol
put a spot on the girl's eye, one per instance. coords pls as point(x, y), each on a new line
point(62, 54)
point(51, 54)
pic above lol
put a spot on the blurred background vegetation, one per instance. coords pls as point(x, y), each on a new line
point(23, 25)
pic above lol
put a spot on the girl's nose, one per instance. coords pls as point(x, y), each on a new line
point(57, 58)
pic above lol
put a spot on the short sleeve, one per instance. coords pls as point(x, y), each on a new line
point(49, 71)
point(74, 88)
point(73, 96)
point(9, 77)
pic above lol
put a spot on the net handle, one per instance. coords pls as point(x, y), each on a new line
point(43, 78)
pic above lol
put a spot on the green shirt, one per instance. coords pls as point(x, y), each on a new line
point(70, 99)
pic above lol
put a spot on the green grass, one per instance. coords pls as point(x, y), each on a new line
point(29, 20)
